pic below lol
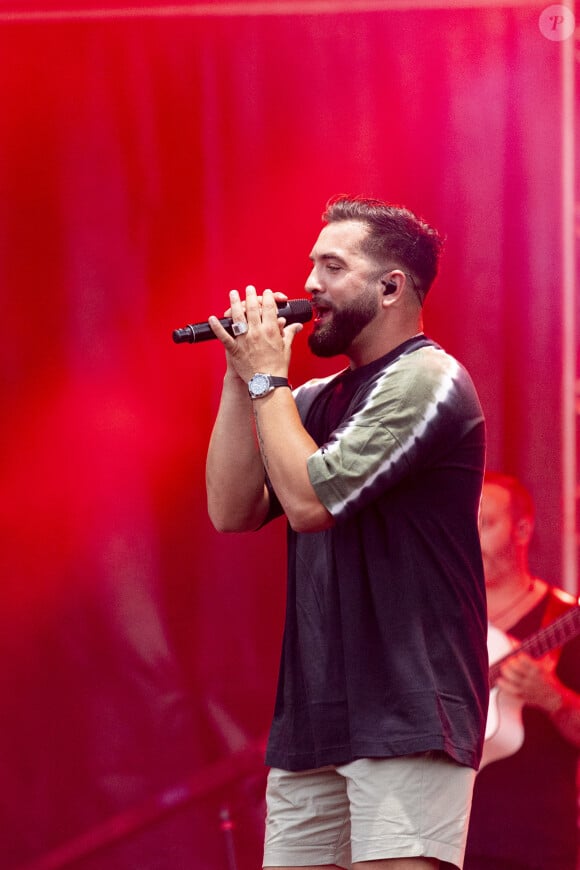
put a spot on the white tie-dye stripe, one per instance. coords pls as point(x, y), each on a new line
point(440, 395)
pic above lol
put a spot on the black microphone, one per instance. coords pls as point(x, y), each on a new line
point(295, 311)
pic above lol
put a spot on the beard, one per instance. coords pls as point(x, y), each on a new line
point(336, 336)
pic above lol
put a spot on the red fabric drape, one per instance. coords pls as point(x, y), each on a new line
point(146, 167)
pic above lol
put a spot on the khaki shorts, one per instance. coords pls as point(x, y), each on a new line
point(372, 808)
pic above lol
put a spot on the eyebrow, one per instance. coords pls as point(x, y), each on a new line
point(329, 256)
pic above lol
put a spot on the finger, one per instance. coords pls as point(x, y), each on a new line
point(237, 313)
point(269, 307)
point(220, 333)
point(228, 311)
point(239, 324)
point(549, 661)
point(290, 332)
point(252, 306)
point(236, 305)
point(517, 665)
point(507, 686)
point(530, 668)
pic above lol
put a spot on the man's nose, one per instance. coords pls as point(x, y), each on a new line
point(312, 284)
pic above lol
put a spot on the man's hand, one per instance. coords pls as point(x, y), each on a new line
point(532, 681)
point(266, 345)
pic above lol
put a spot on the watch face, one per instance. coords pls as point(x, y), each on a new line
point(259, 385)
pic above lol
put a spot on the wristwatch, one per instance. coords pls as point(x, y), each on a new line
point(260, 384)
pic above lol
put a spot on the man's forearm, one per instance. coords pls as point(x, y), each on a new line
point(235, 479)
point(286, 447)
point(565, 714)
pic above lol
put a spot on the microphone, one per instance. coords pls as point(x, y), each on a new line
point(295, 311)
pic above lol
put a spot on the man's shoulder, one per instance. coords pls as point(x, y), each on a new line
point(561, 619)
point(558, 603)
point(430, 369)
point(565, 598)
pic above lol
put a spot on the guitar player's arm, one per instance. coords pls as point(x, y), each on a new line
point(534, 682)
point(565, 714)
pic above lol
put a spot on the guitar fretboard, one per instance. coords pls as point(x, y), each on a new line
point(541, 642)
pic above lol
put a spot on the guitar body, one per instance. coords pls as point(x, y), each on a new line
point(504, 731)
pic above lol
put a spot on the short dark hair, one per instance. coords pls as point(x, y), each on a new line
point(521, 502)
point(395, 233)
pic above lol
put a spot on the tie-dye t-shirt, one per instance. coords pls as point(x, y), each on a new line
point(384, 650)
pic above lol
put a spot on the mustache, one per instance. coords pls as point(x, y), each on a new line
point(319, 304)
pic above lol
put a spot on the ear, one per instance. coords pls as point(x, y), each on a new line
point(524, 530)
point(392, 283)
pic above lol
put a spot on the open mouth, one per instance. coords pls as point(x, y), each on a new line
point(321, 313)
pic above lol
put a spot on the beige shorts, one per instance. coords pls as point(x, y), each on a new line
point(369, 809)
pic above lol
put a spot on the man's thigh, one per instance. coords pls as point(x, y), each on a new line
point(369, 810)
point(308, 819)
point(416, 806)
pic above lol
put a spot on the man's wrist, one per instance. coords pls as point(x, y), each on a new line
point(261, 384)
point(565, 703)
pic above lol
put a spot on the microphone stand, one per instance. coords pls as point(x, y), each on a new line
point(227, 829)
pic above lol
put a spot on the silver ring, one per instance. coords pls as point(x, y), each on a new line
point(239, 327)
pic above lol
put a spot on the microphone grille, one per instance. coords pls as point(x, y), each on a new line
point(299, 310)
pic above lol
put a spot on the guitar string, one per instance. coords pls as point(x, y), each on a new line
point(563, 629)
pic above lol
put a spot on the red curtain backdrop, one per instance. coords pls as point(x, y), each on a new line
point(147, 166)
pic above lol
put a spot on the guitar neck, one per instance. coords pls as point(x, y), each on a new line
point(542, 641)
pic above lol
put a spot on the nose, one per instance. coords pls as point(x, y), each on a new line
point(312, 284)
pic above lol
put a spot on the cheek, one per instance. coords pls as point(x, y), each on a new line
point(493, 542)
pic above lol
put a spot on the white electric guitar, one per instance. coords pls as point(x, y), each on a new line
point(504, 732)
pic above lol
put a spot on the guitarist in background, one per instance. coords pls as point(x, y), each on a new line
point(525, 809)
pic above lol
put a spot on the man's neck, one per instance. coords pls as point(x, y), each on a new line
point(513, 597)
point(370, 346)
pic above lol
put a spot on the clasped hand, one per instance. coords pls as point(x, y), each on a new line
point(266, 345)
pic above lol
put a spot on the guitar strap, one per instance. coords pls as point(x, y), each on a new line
point(558, 603)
